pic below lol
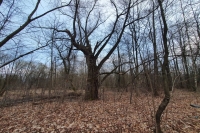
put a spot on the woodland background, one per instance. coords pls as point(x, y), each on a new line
point(134, 61)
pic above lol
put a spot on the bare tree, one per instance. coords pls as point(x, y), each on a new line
point(10, 30)
point(29, 19)
point(83, 29)
point(165, 71)
point(153, 39)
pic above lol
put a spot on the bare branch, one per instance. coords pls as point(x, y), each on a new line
point(28, 21)
point(20, 56)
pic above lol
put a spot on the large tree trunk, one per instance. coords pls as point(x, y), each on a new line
point(91, 92)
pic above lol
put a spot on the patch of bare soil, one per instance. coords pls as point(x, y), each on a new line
point(114, 114)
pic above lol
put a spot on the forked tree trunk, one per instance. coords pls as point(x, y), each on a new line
point(91, 92)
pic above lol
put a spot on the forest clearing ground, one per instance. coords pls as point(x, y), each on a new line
point(113, 114)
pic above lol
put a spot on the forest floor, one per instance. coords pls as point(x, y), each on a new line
point(112, 114)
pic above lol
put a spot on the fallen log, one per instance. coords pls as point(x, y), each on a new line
point(195, 106)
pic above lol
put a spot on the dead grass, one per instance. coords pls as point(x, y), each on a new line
point(114, 114)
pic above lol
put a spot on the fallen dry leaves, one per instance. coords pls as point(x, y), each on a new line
point(113, 115)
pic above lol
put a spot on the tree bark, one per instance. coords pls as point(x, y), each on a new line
point(176, 64)
point(165, 72)
point(191, 50)
point(91, 92)
point(119, 70)
point(159, 112)
point(80, 39)
point(155, 85)
point(184, 59)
